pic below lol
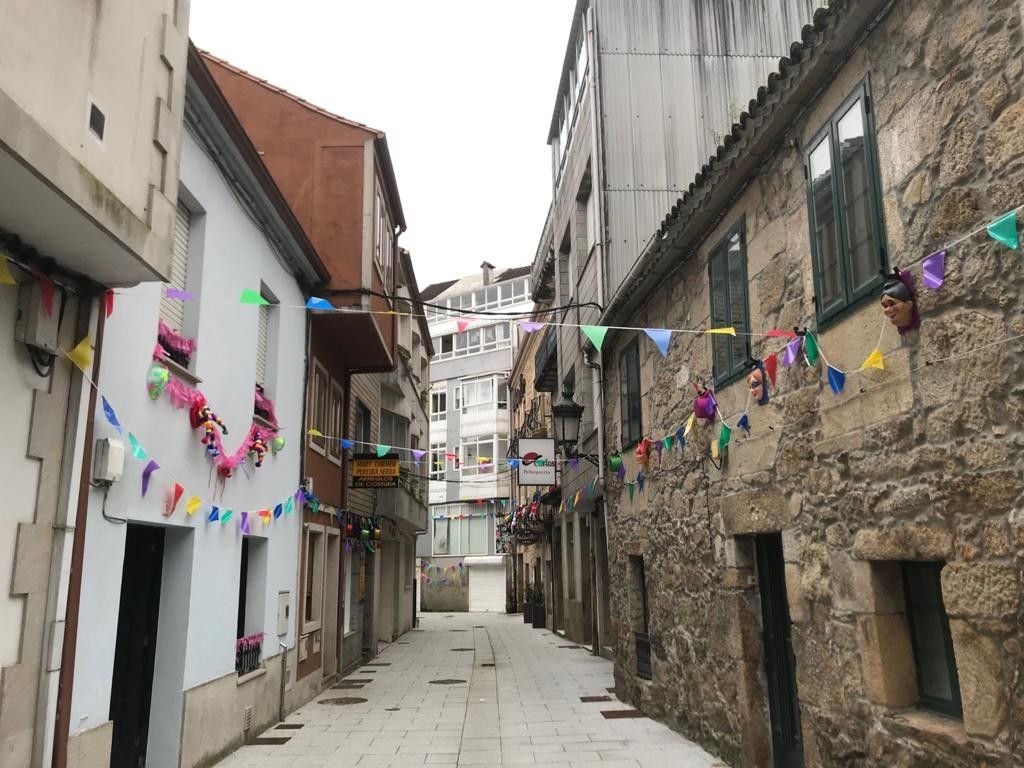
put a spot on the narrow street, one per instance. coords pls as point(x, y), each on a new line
point(473, 689)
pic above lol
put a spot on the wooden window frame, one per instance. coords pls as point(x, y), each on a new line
point(627, 398)
point(719, 255)
point(319, 405)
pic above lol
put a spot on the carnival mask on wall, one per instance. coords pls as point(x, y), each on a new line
point(758, 381)
point(898, 301)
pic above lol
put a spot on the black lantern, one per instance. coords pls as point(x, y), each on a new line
point(568, 416)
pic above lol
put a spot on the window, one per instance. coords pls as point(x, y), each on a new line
point(844, 208)
point(474, 450)
point(438, 461)
point(591, 221)
point(172, 311)
point(477, 395)
point(937, 679)
point(313, 580)
point(727, 268)
point(351, 580)
point(473, 341)
point(394, 429)
point(502, 393)
point(460, 537)
point(383, 251)
point(335, 422)
point(364, 425)
point(439, 405)
point(262, 335)
point(458, 397)
point(629, 395)
point(319, 407)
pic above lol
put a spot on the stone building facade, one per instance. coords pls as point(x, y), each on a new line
point(842, 500)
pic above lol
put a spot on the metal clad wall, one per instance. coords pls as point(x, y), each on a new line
point(675, 76)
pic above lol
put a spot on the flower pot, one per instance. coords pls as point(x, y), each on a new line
point(538, 616)
point(527, 613)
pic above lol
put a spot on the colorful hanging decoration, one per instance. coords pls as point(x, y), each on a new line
point(147, 473)
point(661, 339)
point(724, 435)
point(792, 351)
point(171, 498)
point(643, 451)
point(771, 367)
point(108, 411)
point(595, 333)
point(899, 302)
point(758, 383)
point(257, 449)
point(744, 423)
point(277, 445)
point(202, 417)
point(157, 379)
point(530, 327)
point(81, 355)
point(934, 270)
point(811, 349)
point(1004, 230)
point(249, 296)
point(836, 379)
point(6, 278)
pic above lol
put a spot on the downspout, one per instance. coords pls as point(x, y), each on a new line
point(597, 149)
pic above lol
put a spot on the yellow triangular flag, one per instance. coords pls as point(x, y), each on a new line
point(689, 424)
point(81, 355)
point(6, 278)
point(193, 504)
point(874, 361)
point(730, 331)
point(315, 433)
point(714, 449)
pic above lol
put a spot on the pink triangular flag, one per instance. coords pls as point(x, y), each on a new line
point(462, 323)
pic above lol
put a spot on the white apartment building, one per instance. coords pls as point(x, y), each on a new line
point(461, 565)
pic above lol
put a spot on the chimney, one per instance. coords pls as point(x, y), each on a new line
point(487, 267)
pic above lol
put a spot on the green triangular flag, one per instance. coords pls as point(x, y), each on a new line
point(1004, 230)
point(595, 333)
point(249, 296)
point(724, 435)
point(630, 486)
point(811, 348)
point(382, 451)
point(668, 442)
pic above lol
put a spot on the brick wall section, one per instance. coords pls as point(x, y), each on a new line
point(923, 464)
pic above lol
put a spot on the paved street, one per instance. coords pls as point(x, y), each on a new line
point(517, 701)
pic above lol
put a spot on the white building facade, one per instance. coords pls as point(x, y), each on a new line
point(462, 562)
point(193, 581)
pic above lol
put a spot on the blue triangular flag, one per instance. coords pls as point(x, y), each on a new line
point(836, 379)
point(111, 416)
point(214, 515)
point(640, 481)
point(744, 423)
point(680, 439)
point(513, 463)
point(278, 511)
point(661, 339)
point(346, 444)
point(315, 302)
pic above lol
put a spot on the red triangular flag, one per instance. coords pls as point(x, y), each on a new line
point(109, 298)
point(780, 334)
point(173, 497)
point(771, 366)
point(462, 324)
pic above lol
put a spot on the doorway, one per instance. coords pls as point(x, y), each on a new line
point(135, 650)
point(604, 629)
point(779, 661)
point(332, 578)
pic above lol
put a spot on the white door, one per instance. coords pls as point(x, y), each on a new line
point(487, 588)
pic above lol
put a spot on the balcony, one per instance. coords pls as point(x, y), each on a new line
point(546, 362)
point(248, 654)
point(406, 505)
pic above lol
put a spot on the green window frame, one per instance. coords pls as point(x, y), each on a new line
point(844, 208)
point(938, 683)
point(630, 411)
point(730, 304)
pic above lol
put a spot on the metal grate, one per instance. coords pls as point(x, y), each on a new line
point(344, 701)
point(446, 681)
point(621, 714)
point(643, 655)
point(247, 719)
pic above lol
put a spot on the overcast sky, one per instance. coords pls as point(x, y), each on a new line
point(464, 90)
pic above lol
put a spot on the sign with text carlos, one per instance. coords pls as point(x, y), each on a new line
point(536, 461)
point(369, 471)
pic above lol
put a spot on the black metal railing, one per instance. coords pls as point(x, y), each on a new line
point(248, 654)
point(643, 655)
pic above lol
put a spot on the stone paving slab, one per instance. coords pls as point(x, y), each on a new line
point(526, 710)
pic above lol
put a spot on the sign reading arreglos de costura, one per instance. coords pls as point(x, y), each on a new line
point(369, 471)
point(532, 450)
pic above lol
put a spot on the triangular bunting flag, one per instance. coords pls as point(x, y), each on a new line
point(595, 333)
point(194, 503)
point(244, 523)
point(730, 331)
point(724, 435)
point(137, 450)
point(81, 355)
point(347, 444)
point(715, 450)
point(1004, 230)
point(530, 326)
point(249, 296)
point(681, 439)
point(214, 515)
point(177, 491)
point(418, 455)
point(792, 351)
point(661, 339)
point(226, 516)
point(776, 333)
point(874, 361)
point(177, 293)
point(836, 379)
point(640, 481)
point(108, 300)
point(771, 366)
point(151, 467)
point(744, 423)
point(46, 291)
point(108, 411)
point(289, 505)
point(811, 348)
point(462, 324)
point(933, 269)
point(383, 450)
point(278, 511)
point(689, 424)
point(630, 487)
point(667, 442)
point(315, 302)
point(314, 433)
point(6, 278)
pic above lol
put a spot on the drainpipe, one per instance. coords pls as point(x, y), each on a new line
point(596, 403)
point(596, 149)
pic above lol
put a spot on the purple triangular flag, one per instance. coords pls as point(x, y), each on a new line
point(529, 326)
point(792, 351)
point(661, 339)
point(621, 472)
point(418, 455)
point(934, 269)
point(146, 473)
point(574, 464)
point(177, 293)
point(244, 522)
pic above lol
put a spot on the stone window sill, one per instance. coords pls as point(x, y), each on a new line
point(922, 722)
point(182, 372)
point(251, 676)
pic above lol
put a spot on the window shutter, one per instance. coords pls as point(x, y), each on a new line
point(261, 345)
point(172, 311)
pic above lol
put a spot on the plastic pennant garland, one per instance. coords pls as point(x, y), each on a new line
point(724, 436)
point(81, 355)
point(529, 326)
point(244, 523)
point(640, 481)
point(108, 302)
point(6, 278)
point(193, 505)
point(1004, 230)
point(836, 379)
point(315, 433)
point(278, 511)
point(730, 331)
point(418, 455)
point(681, 439)
point(874, 360)
point(771, 366)
point(151, 467)
point(46, 291)
point(689, 424)
point(249, 296)
point(289, 505)
point(744, 423)
point(137, 450)
point(630, 487)
point(667, 442)
point(226, 516)
point(593, 484)
point(620, 473)
point(574, 464)
point(513, 463)
point(108, 411)
point(177, 293)
point(383, 450)
point(792, 351)
point(347, 444)
point(177, 491)
point(214, 515)
point(661, 338)
point(811, 348)
point(933, 269)
point(775, 333)
point(715, 450)
point(315, 302)
point(462, 324)
point(595, 333)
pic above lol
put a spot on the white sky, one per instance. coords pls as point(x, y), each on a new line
point(464, 90)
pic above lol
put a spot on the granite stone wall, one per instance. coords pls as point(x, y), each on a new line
point(919, 461)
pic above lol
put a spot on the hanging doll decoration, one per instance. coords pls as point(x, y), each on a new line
point(705, 406)
point(899, 302)
point(258, 449)
point(758, 381)
point(202, 417)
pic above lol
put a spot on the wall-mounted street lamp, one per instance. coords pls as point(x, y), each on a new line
point(568, 416)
